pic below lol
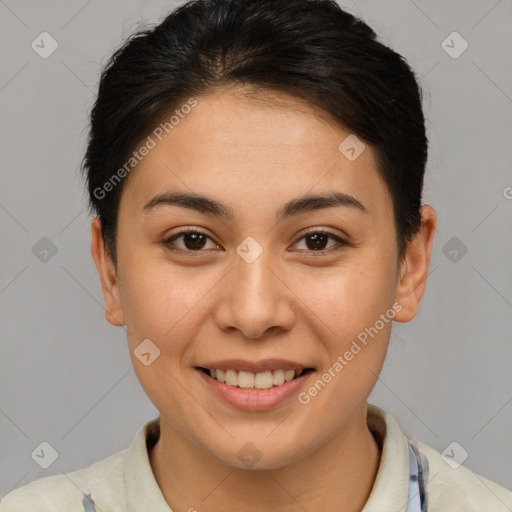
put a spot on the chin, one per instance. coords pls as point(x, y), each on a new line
point(259, 453)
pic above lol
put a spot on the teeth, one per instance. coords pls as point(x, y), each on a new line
point(278, 377)
point(246, 379)
point(262, 380)
point(250, 380)
point(288, 375)
point(231, 378)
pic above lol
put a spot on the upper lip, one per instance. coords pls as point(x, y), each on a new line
point(254, 366)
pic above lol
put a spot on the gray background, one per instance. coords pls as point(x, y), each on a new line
point(65, 373)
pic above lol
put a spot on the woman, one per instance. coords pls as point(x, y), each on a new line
point(256, 171)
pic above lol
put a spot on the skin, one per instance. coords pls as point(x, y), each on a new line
point(253, 153)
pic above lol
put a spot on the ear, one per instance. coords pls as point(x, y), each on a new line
point(106, 270)
point(414, 266)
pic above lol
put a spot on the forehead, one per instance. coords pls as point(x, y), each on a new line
point(265, 142)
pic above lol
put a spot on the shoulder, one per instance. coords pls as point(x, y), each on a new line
point(459, 489)
point(66, 492)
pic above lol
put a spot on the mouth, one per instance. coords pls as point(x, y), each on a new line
point(249, 380)
point(254, 386)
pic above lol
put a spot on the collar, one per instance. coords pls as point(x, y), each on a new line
point(142, 491)
point(391, 486)
point(390, 489)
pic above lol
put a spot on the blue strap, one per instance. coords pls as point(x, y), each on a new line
point(418, 478)
point(88, 503)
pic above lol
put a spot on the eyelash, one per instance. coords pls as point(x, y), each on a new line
point(170, 241)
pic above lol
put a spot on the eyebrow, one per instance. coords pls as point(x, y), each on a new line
point(301, 205)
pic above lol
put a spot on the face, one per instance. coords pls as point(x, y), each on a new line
point(267, 280)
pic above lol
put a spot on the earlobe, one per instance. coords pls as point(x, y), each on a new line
point(414, 267)
point(114, 313)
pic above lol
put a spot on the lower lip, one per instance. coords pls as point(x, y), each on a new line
point(254, 400)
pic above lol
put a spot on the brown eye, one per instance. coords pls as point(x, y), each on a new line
point(191, 240)
point(318, 241)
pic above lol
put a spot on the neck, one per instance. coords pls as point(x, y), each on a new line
point(338, 476)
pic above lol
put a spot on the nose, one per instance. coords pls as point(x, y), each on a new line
point(255, 299)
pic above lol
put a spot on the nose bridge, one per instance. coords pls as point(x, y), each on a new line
point(253, 280)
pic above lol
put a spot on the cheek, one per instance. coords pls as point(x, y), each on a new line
point(160, 304)
point(163, 303)
point(349, 298)
point(353, 314)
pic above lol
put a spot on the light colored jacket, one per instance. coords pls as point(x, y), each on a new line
point(124, 481)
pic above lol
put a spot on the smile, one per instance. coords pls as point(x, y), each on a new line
point(250, 380)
